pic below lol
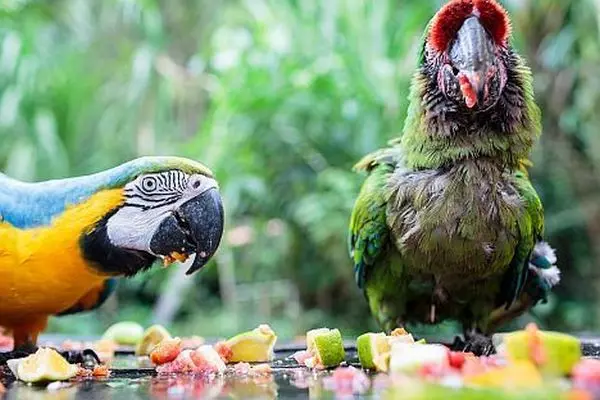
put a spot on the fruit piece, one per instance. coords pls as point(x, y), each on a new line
point(586, 375)
point(45, 365)
point(374, 351)
point(456, 359)
point(182, 364)
point(301, 356)
point(346, 382)
point(166, 351)
point(224, 351)
point(310, 338)
point(327, 346)
point(553, 352)
point(125, 333)
point(207, 360)
point(409, 357)
point(101, 370)
point(152, 337)
point(254, 346)
point(518, 375)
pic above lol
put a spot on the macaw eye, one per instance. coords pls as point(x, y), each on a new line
point(195, 183)
point(149, 184)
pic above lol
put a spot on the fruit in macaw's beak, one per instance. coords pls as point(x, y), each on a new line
point(196, 227)
point(473, 55)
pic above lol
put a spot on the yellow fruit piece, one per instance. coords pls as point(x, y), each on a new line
point(125, 333)
point(559, 352)
point(45, 365)
point(519, 375)
point(254, 346)
point(374, 351)
point(151, 338)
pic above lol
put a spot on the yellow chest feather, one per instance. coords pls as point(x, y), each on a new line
point(42, 270)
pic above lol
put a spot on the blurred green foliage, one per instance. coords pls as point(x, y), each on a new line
point(280, 98)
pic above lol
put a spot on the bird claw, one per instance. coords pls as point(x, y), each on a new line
point(478, 344)
point(87, 358)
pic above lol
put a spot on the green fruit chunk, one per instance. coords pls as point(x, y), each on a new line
point(560, 352)
point(327, 346)
point(374, 351)
point(125, 333)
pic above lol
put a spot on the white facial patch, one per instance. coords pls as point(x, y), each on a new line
point(149, 200)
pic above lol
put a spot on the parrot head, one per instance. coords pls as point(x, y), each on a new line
point(466, 53)
point(171, 209)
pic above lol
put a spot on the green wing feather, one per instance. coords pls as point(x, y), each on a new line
point(369, 233)
point(530, 227)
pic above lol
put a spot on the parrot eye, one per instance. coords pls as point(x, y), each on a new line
point(149, 184)
point(196, 183)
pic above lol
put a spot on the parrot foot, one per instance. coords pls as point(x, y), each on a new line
point(476, 343)
point(87, 358)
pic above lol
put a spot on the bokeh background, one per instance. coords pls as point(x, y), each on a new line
point(279, 98)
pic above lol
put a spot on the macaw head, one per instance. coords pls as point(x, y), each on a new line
point(467, 55)
point(171, 209)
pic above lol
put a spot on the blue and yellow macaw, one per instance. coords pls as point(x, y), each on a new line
point(63, 242)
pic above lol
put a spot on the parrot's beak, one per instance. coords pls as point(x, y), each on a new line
point(473, 54)
point(195, 227)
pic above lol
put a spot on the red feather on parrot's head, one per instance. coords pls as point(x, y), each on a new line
point(451, 17)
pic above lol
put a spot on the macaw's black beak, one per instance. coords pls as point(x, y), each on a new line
point(473, 54)
point(195, 227)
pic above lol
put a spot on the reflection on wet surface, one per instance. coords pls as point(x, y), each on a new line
point(285, 383)
point(133, 378)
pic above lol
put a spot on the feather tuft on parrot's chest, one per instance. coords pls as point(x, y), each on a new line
point(456, 225)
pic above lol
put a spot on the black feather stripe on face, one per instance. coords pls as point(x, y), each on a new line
point(109, 259)
point(447, 117)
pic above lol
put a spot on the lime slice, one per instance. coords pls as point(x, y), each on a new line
point(126, 333)
point(374, 351)
point(327, 346)
point(253, 346)
point(45, 365)
point(560, 352)
point(310, 338)
point(152, 337)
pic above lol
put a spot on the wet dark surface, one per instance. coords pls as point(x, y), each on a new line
point(133, 378)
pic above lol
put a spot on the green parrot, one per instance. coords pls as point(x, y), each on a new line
point(447, 225)
point(63, 243)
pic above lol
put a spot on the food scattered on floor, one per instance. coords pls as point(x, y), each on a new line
point(253, 346)
point(347, 381)
point(166, 351)
point(553, 352)
point(202, 361)
point(324, 349)
point(124, 333)
point(44, 365)
point(246, 369)
point(374, 349)
point(530, 364)
point(151, 337)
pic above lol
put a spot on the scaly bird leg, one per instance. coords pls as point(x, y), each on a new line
point(477, 343)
